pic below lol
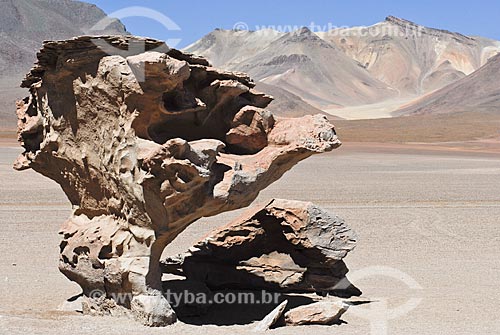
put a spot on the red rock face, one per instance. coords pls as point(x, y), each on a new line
point(143, 144)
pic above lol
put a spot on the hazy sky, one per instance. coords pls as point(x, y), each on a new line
point(196, 18)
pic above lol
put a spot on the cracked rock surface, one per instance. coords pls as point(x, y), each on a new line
point(283, 246)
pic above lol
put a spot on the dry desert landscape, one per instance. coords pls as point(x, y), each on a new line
point(349, 173)
point(430, 214)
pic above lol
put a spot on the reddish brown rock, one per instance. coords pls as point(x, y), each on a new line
point(137, 139)
point(286, 246)
point(251, 127)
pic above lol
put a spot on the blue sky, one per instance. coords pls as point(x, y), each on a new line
point(196, 18)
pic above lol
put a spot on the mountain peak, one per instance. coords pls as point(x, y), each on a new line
point(407, 24)
point(305, 35)
point(400, 21)
point(304, 31)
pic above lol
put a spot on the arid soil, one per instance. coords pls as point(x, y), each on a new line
point(456, 127)
point(431, 214)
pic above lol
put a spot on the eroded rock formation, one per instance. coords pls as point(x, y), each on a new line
point(144, 142)
point(283, 246)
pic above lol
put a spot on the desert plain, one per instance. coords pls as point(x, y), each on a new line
point(427, 218)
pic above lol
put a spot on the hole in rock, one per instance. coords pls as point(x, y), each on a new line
point(178, 101)
point(82, 251)
point(106, 252)
point(192, 113)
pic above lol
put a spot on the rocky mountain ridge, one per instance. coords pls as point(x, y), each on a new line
point(396, 59)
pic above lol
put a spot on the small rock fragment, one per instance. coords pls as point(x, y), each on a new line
point(271, 318)
point(319, 313)
point(152, 310)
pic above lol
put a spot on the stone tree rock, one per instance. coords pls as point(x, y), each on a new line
point(283, 246)
point(145, 141)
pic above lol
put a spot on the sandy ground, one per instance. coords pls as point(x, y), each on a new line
point(427, 218)
point(381, 110)
point(442, 129)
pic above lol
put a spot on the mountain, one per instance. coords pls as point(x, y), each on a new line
point(478, 92)
point(412, 58)
point(465, 111)
point(24, 25)
point(379, 67)
point(299, 62)
point(229, 48)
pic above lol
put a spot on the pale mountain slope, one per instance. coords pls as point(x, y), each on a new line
point(412, 58)
point(299, 62)
point(228, 48)
point(288, 104)
point(316, 71)
point(478, 92)
point(24, 25)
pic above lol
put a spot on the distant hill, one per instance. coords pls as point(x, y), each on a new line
point(465, 111)
point(478, 92)
point(299, 62)
point(389, 61)
point(412, 58)
point(24, 25)
point(288, 104)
